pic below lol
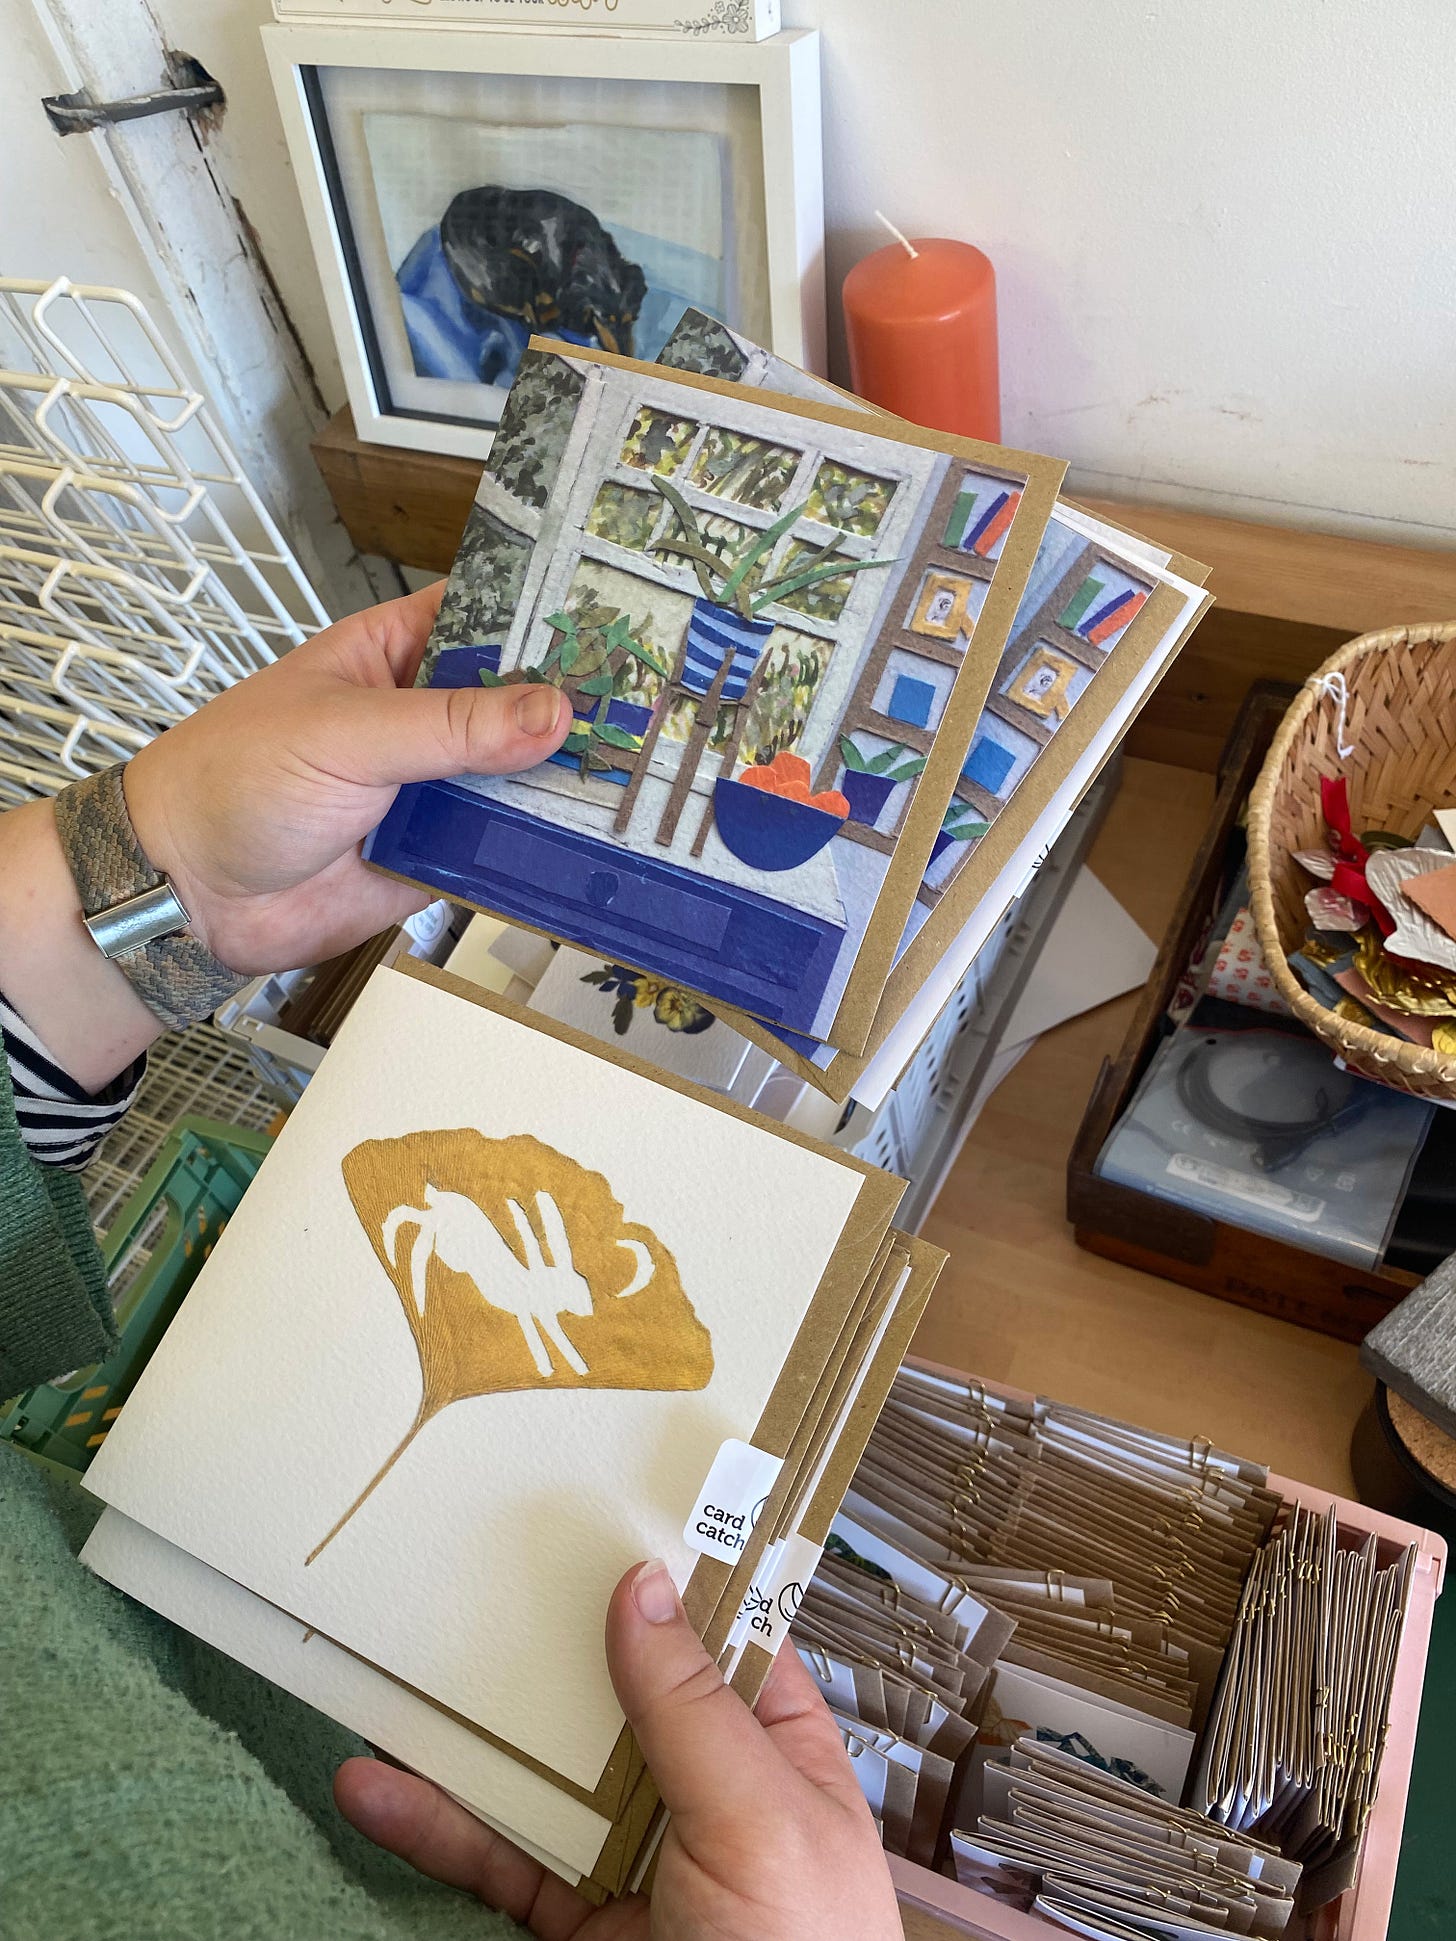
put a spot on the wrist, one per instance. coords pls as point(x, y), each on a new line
point(147, 808)
point(79, 1004)
point(125, 893)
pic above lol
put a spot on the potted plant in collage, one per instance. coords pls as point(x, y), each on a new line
point(725, 623)
point(588, 652)
point(960, 823)
point(869, 780)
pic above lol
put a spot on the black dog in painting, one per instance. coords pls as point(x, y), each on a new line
point(532, 254)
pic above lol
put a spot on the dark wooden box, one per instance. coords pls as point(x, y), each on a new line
point(1155, 1234)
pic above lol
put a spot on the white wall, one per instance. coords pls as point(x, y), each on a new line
point(1224, 230)
point(56, 204)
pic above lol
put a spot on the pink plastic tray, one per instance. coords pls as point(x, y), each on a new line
point(1361, 1914)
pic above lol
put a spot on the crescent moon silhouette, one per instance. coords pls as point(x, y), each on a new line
point(645, 1267)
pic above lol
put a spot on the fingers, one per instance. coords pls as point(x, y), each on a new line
point(708, 1754)
point(344, 903)
point(383, 736)
point(404, 630)
point(792, 1711)
point(407, 1816)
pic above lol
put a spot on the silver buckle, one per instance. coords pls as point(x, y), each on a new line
point(131, 925)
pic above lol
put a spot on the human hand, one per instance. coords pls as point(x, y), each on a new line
point(770, 1838)
point(256, 805)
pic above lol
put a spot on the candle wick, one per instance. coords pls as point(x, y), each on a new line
point(898, 234)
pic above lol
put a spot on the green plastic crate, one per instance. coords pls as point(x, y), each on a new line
point(152, 1251)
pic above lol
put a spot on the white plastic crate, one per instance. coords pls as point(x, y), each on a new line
point(914, 1100)
point(140, 574)
point(878, 1143)
point(284, 1061)
point(194, 1071)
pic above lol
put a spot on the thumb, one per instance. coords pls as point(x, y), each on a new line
point(707, 1753)
point(422, 734)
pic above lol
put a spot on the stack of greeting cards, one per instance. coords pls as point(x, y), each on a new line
point(837, 682)
point(1294, 1744)
point(1100, 1856)
point(1034, 1569)
point(504, 1312)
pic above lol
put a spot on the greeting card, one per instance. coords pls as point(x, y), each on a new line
point(778, 621)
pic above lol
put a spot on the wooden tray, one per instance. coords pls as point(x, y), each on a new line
point(1154, 1234)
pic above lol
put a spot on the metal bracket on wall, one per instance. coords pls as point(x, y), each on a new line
point(189, 90)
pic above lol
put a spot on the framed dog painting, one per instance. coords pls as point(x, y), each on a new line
point(466, 189)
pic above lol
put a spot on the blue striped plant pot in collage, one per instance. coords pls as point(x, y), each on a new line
point(714, 633)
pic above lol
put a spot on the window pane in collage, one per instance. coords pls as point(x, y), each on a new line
point(658, 442)
point(855, 502)
point(624, 515)
point(824, 599)
point(749, 471)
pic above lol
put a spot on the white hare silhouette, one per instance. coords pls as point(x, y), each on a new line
point(455, 1230)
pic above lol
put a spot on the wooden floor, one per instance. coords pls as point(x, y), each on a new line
point(1020, 1302)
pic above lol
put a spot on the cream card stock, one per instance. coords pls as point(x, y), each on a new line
point(296, 1429)
point(420, 1735)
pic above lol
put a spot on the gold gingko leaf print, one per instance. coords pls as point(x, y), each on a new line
point(517, 1268)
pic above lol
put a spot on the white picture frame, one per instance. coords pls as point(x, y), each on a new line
point(345, 93)
point(721, 19)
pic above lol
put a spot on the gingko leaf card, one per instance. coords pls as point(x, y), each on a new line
point(581, 1844)
point(472, 1343)
point(777, 621)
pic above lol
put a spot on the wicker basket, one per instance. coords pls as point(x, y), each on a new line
point(1399, 722)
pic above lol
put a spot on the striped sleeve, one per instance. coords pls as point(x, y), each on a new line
point(60, 1124)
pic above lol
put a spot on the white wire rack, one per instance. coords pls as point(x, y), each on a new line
point(198, 1071)
point(140, 573)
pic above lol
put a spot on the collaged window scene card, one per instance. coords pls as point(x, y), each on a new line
point(1060, 704)
point(747, 600)
point(1102, 617)
point(1079, 604)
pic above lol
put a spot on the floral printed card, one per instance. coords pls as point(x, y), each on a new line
point(645, 1015)
point(777, 620)
point(471, 1344)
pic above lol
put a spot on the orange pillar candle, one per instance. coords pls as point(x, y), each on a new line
point(920, 318)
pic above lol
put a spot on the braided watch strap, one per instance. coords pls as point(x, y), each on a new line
point(176, 977)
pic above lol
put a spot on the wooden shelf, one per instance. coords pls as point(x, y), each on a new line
point(1286, 598)
point(407, 506)
point(1021, 1302)
point(1315, 579)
